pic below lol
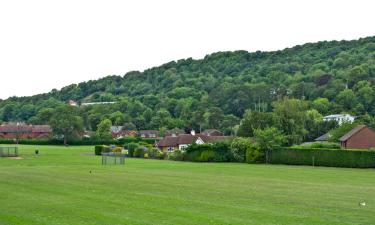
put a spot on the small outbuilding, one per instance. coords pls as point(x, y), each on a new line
point(359, 137)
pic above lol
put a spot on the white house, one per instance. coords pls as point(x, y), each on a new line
point(340, 118)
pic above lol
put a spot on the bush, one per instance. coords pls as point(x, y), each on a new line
point(207, 156)
point(131, 148)
point(161, 155)
point(99, 149)
point(152, 152)
point(239, 147)
point(176, 155)
point(222, 151)
point(354, 158)
point(193, 152)
point(117, 149)
point(139, 152)
point(254, 154)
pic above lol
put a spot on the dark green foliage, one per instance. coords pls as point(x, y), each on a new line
point(194, 151)
point(215, 152)
point(330, 145)
point(131, 148)
point(207, 156)
point(239, 147)
point(99, 149)
point(254, 154)
point(323, 157)
point(222, 151)
point(66, 122)
point(176, 155)
point(139, 152)
point(214, 92)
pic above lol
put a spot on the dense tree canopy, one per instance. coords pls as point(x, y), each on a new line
point(216, 91)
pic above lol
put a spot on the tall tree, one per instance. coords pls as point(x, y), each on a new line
point(66, 123)
point(290, 118)
point(104, 129)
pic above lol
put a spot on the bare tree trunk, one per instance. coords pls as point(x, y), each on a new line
point(65, 140)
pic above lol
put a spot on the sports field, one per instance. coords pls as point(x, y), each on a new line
point(68, 185)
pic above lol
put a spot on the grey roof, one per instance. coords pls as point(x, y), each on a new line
point(324, 137)
point(116, 129)
point(352, 132)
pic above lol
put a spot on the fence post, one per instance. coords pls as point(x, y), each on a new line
point(313, 160)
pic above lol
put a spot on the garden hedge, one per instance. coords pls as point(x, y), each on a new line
point(353, 158)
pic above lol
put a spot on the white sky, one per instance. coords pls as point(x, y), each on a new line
point(50, 44)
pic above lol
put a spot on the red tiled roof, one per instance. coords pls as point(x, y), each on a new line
point(41, 129)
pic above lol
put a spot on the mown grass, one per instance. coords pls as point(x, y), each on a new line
point(57, 187)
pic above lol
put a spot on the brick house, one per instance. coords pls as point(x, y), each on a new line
point(22, 131)
point(359, 137)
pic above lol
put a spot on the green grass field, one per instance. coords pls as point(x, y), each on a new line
point(57, 187)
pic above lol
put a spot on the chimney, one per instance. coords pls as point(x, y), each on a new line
point(192, 132)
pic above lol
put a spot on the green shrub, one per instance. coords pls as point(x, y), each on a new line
point(117, 149)
point(131, 148)
point(176, 155)
point(193, 152)
point(323, 157)
point(239, 147)
point(139, 152)
point(254, 154)
point(161, 155)
point(100, 148)
point(222, 151)
point(207, 156)
point(152, 152)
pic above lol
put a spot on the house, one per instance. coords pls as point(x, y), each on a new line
point(23, 131)
point(359, 137)
point(324, 137)
point(41, 131)
point(174, 132)
point(339, 118)
point(148, 133)
point(212, 132)
point(117, 131)
point(72, 103)
point(130, 133)
point(181, 141)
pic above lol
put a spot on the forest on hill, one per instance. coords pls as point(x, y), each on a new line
point(221, 89)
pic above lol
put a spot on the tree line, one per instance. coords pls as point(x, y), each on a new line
point(288, 90)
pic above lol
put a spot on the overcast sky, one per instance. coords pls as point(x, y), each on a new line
point(50, 44)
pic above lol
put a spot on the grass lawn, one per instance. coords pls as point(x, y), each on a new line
point(57, 187)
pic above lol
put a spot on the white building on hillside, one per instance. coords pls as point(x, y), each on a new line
point(340, 118)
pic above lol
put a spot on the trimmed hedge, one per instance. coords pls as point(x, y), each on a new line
point(352, 158)
point(99, 149)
